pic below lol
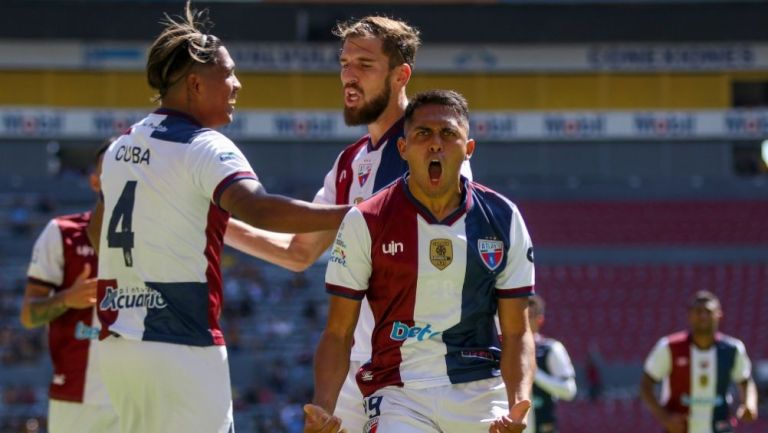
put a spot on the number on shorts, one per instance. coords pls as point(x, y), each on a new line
point(372, 406)
point(123, 211)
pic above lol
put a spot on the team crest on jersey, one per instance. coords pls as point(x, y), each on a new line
point(491, 251)
point(440, 253)
point(372, 425)
point(364, 172)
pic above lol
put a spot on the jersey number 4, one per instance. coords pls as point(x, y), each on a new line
point(123, 211)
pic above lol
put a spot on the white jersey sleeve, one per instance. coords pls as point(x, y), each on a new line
point(742, 366)
point(47, 263)
point(559, 363)
point(519, 271)
point(658, 365)
point(215, 158)
point(327, 194)
point(349, 268)
point(560, 382)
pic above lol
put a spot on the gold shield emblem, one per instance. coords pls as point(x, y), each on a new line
point(703, 380)
point(441, 253)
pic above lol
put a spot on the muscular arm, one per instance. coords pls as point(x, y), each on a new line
point(518, 362)
point(249, 202)
point(332, 354)
point(39, 307)
point(293, 252)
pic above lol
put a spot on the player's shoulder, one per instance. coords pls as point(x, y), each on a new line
point(384, 200)
point(491, 198)
point(729, 340)
point(546, 341)
point(73, 220)
point(349, 152)
point(173, 126)
point(674, 339)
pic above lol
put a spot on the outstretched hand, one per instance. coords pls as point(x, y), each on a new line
point(514, 422)
point(317, 420)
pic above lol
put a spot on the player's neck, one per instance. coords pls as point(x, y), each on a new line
point(440, 207)
point(394, 111)
point(703, 341)
point(178, 106)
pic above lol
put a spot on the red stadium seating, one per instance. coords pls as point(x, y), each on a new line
point(647, 223)
point(623, 310)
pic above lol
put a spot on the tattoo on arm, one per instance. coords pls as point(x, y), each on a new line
point(42, 311)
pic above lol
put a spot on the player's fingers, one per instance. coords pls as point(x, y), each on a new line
point(314, 411)
point(332, 425)
point(85, 273)
point(519, 412)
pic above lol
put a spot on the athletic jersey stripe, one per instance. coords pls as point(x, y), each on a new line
point(229, 180)
point(518, 292)
point(680, 376)
point(41, 282)
point(344, 292)
point(726, 357)
point(214, 234)
point(395, 268)
point(477, 358)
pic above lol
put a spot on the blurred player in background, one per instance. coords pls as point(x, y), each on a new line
point(169, 186)
point(61, 293)
point(436, 255)
point(698, 368)
point(377, 60)
point(555, 376)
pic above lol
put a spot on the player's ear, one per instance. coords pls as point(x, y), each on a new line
point(194, 82)
point(470, 149)
point(401, 146)
point(402, 74)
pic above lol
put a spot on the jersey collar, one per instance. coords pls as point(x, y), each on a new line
point(175, 113)
point(464, 205)
point(394, 132)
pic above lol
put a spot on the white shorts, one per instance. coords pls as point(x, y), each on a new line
point(349, 405)
point(70, 417)
point(163, 388)
point(459, 408)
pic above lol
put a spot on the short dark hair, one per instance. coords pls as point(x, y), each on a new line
point(705, 297)
point(182, 44)
point(447, 98)
point(103, 148)
point(399, 41)
point(538, 302)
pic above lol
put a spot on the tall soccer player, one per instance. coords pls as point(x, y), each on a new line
point(61, 293)
point(170, 184)
point(437, 256)
point(698, 368)
point(555, 376)
point(377, 59)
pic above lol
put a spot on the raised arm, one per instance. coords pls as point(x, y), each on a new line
point(248, 201)
point(294, 252)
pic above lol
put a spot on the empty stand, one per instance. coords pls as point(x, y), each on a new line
point(647, 223)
